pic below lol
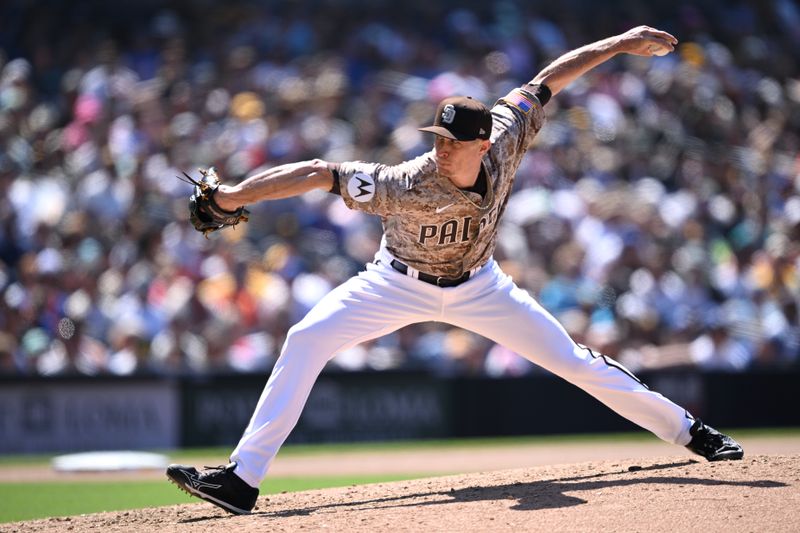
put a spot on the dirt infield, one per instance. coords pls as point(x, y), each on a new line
point(669, 493)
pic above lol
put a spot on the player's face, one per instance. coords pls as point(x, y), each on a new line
point(457, 158)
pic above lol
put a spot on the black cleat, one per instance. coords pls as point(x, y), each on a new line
point(712, 444)
point(218, 485)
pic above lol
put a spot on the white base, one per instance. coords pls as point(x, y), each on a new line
point(109, 461)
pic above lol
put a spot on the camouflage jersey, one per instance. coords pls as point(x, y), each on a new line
point(428, 222)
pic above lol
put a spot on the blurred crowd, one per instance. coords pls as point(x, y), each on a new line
point(657, 214)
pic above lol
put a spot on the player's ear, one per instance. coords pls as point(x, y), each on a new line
point(485, 145)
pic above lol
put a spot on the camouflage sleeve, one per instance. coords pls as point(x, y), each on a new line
point(370, 187)
point(518, 117)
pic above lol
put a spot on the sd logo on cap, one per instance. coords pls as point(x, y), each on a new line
point(461, 118)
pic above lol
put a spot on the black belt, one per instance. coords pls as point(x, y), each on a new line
point(430, 278)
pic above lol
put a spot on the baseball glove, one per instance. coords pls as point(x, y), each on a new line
point(204, 213)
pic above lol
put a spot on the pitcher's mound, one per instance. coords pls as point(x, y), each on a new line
point(759, 493)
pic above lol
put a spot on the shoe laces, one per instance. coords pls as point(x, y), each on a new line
point(213, 470)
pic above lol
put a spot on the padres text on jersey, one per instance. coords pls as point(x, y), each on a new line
point(428, 222)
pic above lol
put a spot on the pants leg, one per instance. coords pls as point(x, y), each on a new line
point(367, 306)
point(493, 306)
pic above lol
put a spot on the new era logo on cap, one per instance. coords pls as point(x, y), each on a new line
point(462, 118)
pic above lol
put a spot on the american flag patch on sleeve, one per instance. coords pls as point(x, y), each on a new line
point(519, 100)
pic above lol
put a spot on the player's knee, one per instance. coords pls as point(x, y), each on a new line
point(308, 340)
point(299, 336)
point(574, 364)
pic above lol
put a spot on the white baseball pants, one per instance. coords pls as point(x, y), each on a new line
point(381, 300)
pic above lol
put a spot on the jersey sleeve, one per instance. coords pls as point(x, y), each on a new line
point(518, 117)
point(370, 187)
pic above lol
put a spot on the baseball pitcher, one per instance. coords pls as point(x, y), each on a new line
point(440, 215)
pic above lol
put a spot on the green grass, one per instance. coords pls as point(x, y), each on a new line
point(28, 501)
point(189, 454)
point(633, 436)
point(314, 449)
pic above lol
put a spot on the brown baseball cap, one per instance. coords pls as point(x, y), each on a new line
point(462, 118)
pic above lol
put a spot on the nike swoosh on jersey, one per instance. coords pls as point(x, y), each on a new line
point(440, 209)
